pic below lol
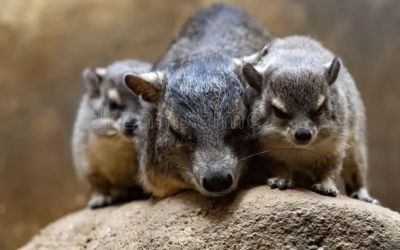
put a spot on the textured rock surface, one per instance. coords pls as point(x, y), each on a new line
point(45, 44)
point(258, 218)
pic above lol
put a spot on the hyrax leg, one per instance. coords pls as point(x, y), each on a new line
point(115, 195)
point(105, 193)
point(354, 172)
point(125, 194)
point(326, 173)
point(98, 200)
point(281, 176)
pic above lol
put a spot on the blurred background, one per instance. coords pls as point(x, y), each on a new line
point(45, 44)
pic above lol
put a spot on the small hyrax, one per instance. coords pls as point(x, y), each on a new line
point(308, 116)
point(102, 143)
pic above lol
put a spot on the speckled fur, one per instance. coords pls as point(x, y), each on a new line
point(104, 157)
point(200, 94)
point(293, 73)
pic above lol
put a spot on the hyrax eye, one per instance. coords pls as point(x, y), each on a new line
point(318, 112)
point(174, 132)
point(279, 113)
point(114, 105)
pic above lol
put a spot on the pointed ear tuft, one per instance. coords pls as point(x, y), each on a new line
point(332, 70)
point(101, 72)
point(92, 80)
point(253, 77)
point(147, 85)
point(264, 50)
point(256, 57)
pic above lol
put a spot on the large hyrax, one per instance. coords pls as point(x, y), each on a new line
point(308, 116)
point(195, 135)
point(102, 142)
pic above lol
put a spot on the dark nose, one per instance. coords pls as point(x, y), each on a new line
point(130, 126)
point(303, 135)
point(217, 181)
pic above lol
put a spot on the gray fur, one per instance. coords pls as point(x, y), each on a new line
point(102, 146)
point(201, 110)
point(297, 72)
point(219, 28)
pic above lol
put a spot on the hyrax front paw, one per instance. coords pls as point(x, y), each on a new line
point(282, 184)
point(363, 195)
point(99, 201)
point(325, 190)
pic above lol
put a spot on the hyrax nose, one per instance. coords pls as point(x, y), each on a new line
point(217, 181)
point(130, 126)
point(303, 135)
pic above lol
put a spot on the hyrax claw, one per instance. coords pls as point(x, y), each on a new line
point(327, 191)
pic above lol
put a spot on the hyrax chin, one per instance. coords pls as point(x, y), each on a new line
point(196, 136)
point(102, 142)
point(308, 116)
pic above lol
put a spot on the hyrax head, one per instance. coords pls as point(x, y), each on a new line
point(201, 119)
point(296, 102)
point(114, 108)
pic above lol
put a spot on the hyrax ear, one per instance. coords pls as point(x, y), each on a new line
point(253, 77)
point(332, 70)
point(264, 51)
point(92, 79)
point(147, 85)
point(256, 57)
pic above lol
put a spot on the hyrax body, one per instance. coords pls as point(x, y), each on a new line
point(196, 136)
point(308, 116)
point(102, 142)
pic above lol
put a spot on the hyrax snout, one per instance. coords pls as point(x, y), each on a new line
point(217, 181)
point(216, 169)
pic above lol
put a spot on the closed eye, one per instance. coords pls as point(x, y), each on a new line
point(113, 105)
point(279, 113)
point(318, 112)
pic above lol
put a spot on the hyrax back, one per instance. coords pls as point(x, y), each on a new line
point(102, 143)
point(197, 102)
point(308, 116)
point(219, 28)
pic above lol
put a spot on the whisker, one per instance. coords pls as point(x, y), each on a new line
point(250, 136)
point(278, 149)
point(252, 155)
point(256, 135)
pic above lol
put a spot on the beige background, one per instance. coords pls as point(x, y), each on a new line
point(45, 44)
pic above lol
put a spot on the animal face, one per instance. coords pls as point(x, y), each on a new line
point(297, 104)
point(115, 109)
point(294, 103)
point(201, 120)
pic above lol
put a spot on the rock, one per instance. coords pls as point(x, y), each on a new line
point(257, 218)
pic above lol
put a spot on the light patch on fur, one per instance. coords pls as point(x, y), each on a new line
point(238, 62)
point(162, 185)
point(104, 127)
point(173, 121)
point(101, 72)
point(239, 116)
point(321, 100)
point(279, 104)
point(157, 76)
point(114, 95)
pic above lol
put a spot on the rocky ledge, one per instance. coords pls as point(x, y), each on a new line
point(257, 218)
